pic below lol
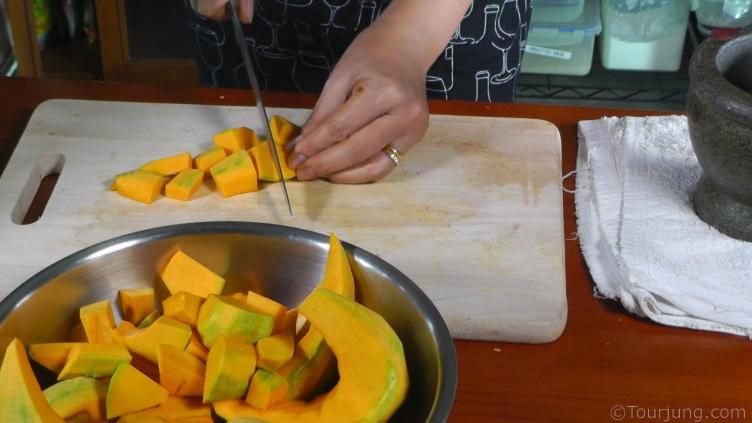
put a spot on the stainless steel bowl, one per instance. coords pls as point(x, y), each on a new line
point(281, 262)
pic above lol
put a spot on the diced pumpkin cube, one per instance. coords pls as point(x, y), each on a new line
point(174, 409)
point(52, 355)
point(275, 351)
point(180, 373)
point(235, 175)
point(265, 165)
point(240, 296)
point(305, 376)
point(183, 306)
point(78, 395)
point(228, 369)
point(283, 130)
point(209, 158)
point(235, 139)
point(183, 273)
point(98, 321)
point(20, 394)
point(148, 320)
point(184, 184)
point(164, 330)
point(131, 391)
point(289, 321)
point(94, 360)
point(196, 347)
point(338, 276)
point(301, 326)
point(140, 185)
point(310, 343)
point(261, 304)
point(136, 304)
point(123, 328)
point(171, 165)
point(224, 316)
point(266, 389)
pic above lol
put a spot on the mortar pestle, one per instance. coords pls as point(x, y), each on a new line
point(720, 126)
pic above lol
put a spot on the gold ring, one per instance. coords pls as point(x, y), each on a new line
point(393, 154)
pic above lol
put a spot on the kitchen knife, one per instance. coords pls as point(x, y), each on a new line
point(240, 39)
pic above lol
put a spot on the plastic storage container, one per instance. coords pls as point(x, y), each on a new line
point(561, 47)
point(547, 11)
point(723, 13)
point(646, 35)
point(6, 48)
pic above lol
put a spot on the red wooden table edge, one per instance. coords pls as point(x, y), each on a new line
point(605, 356)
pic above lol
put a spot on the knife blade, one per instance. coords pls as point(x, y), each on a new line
point(232, 5)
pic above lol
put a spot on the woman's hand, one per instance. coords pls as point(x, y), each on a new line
point(217, 9)
point(376, 95)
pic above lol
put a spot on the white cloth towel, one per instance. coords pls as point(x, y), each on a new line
point(640, 236)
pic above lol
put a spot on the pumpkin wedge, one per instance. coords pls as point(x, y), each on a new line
point(171, 165)
point(184, 184)
point(283, 130)
point(229, 368)
point(275, 351)
point(131, 391)
point(196, 348)
point(313, 364)
point(51, 355)
point(235, 175)
point(140, 185)
point(379, 387)
point(136, 304)
point(98, 322)
point(148, 320)
point(164, 330)
point(180, 373)
point(225, 316)
point(183, 306)
point(266, 389)
point(20, 394)
point(184, 273)
point(209, 158)
point(78, 395)
point(94, 360)
point(261, 304)
point(338, 276)
point(266, 167)
point(235, 139)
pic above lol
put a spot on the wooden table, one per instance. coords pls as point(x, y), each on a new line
point(606, 357)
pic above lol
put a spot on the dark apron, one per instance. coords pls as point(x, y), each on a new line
point(296, 43)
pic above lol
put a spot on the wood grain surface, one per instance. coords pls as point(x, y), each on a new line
point(605, 358)
point(473, 216)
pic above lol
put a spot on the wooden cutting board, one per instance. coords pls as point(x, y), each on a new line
point(473, 214)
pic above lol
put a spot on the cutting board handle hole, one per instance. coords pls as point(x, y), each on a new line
point(38, 189)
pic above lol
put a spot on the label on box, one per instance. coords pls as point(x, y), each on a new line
point(548, 52)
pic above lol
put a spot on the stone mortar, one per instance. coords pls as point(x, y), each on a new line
point(720, 126)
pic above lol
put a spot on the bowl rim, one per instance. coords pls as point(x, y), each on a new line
point(448, 377)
